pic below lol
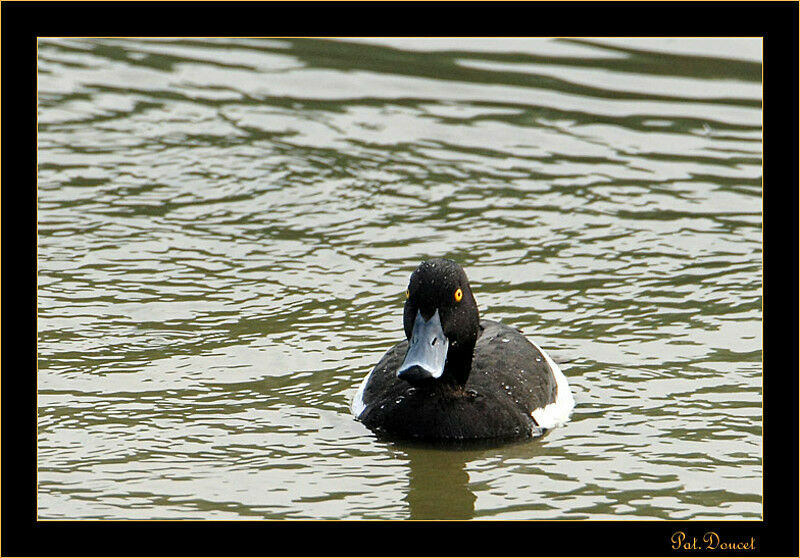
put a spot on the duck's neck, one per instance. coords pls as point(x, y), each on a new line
point(458, 366)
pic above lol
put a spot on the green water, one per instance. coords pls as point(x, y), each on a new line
point(226, 230)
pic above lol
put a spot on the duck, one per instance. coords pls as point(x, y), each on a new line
point(456, 376)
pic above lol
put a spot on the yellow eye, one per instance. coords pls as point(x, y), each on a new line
point(407, 293)
point(459, 295)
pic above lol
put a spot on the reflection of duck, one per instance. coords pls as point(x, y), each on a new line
point(459, 377)
point(438, 485)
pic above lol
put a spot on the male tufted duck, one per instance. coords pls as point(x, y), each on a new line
point(457, 377)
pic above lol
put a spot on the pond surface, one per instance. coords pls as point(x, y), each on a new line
point(226, 230)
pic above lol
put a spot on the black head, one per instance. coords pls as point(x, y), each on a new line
point(440, 319)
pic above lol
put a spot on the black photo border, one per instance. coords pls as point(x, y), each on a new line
point(22, 22)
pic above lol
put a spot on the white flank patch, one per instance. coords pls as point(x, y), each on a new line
point(357, 406)
point(557, 412)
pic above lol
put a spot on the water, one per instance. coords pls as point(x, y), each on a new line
point(226, 230)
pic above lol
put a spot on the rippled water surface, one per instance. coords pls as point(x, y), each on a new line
point(226, 230)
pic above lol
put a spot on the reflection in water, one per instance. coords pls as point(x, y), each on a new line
point(438, 485)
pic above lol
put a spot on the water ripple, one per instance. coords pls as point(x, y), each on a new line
point(226, 229)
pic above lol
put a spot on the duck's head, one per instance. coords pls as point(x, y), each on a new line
point(441, 323)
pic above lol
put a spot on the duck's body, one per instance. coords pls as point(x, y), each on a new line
point(486, 381)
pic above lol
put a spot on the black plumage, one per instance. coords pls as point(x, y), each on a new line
point(493, 377)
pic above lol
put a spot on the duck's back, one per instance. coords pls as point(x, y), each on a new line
point(510, 381)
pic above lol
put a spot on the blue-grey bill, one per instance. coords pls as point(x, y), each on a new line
point(427, 350)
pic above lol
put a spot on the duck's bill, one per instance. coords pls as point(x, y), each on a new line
point(427, 350)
